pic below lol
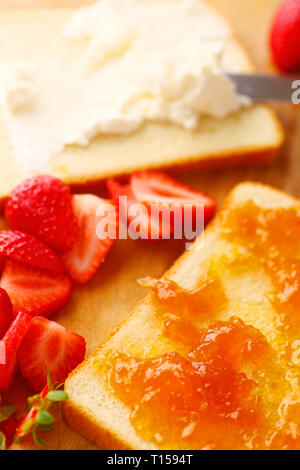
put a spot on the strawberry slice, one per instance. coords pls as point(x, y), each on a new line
point(145, 227)
point(11, 341)
point(42, 206)
point(35, 291)
point(25, 248)
point(92, 246)
point(6, 310)
point(49, 348)
point(113, 187)
point(165, 201)
point(2, 261)
point(158, 187)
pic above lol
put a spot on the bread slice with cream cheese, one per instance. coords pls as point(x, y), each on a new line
point(250, 136)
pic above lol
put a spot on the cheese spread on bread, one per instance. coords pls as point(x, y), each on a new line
point(18, 85)
point(131, 61)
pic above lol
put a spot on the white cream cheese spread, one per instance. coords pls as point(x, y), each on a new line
point(142, 60)
point(18, 85)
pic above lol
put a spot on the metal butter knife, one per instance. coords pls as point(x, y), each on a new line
point(268, 87)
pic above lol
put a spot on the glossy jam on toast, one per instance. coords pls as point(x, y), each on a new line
point(210, 360)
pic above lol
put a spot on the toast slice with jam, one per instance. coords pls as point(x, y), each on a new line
point(210, 358)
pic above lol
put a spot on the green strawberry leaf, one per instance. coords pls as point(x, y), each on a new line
point(57, 396)
point(38, 440)
point(44, 418)
point(6, 412)
point(2, 441)
point(44, 427)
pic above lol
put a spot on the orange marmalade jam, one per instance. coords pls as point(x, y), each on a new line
point(224, 387)
point(183, 309)
point(203, 400)
point(272, 236)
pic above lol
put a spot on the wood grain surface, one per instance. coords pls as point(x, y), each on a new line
point(98, 307)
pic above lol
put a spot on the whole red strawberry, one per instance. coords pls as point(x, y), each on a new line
point(42, 206)
point(6, 309)
point(285, 36)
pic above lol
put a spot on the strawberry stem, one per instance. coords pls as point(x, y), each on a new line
point(39, 417)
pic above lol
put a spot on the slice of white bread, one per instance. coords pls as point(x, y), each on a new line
point(250, 136)
point(93, 409)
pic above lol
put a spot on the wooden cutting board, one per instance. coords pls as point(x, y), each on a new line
point(95, 309)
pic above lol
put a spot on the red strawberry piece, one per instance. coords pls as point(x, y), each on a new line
point(11, 343)
point(285, 36)
point(6, 310)
point(49, 348)
point(92, 246)
point(27, 249)
point(2, 261)
point(8, 426)
point(113, 187)
point(145, 227)
point(42, 206)
point(157, 187)
point(35, 291)
point(162, 195)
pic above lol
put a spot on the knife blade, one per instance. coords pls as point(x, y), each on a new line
point(267, 87)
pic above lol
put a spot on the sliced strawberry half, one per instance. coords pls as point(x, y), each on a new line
point(168, 203)
point(97, 220)
point(6, 312)
point(49, 348)
point(35, 291)
point(158, 187)
point(134, 214)
point(113, 188)
point(10, 344)
point(25, 248)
